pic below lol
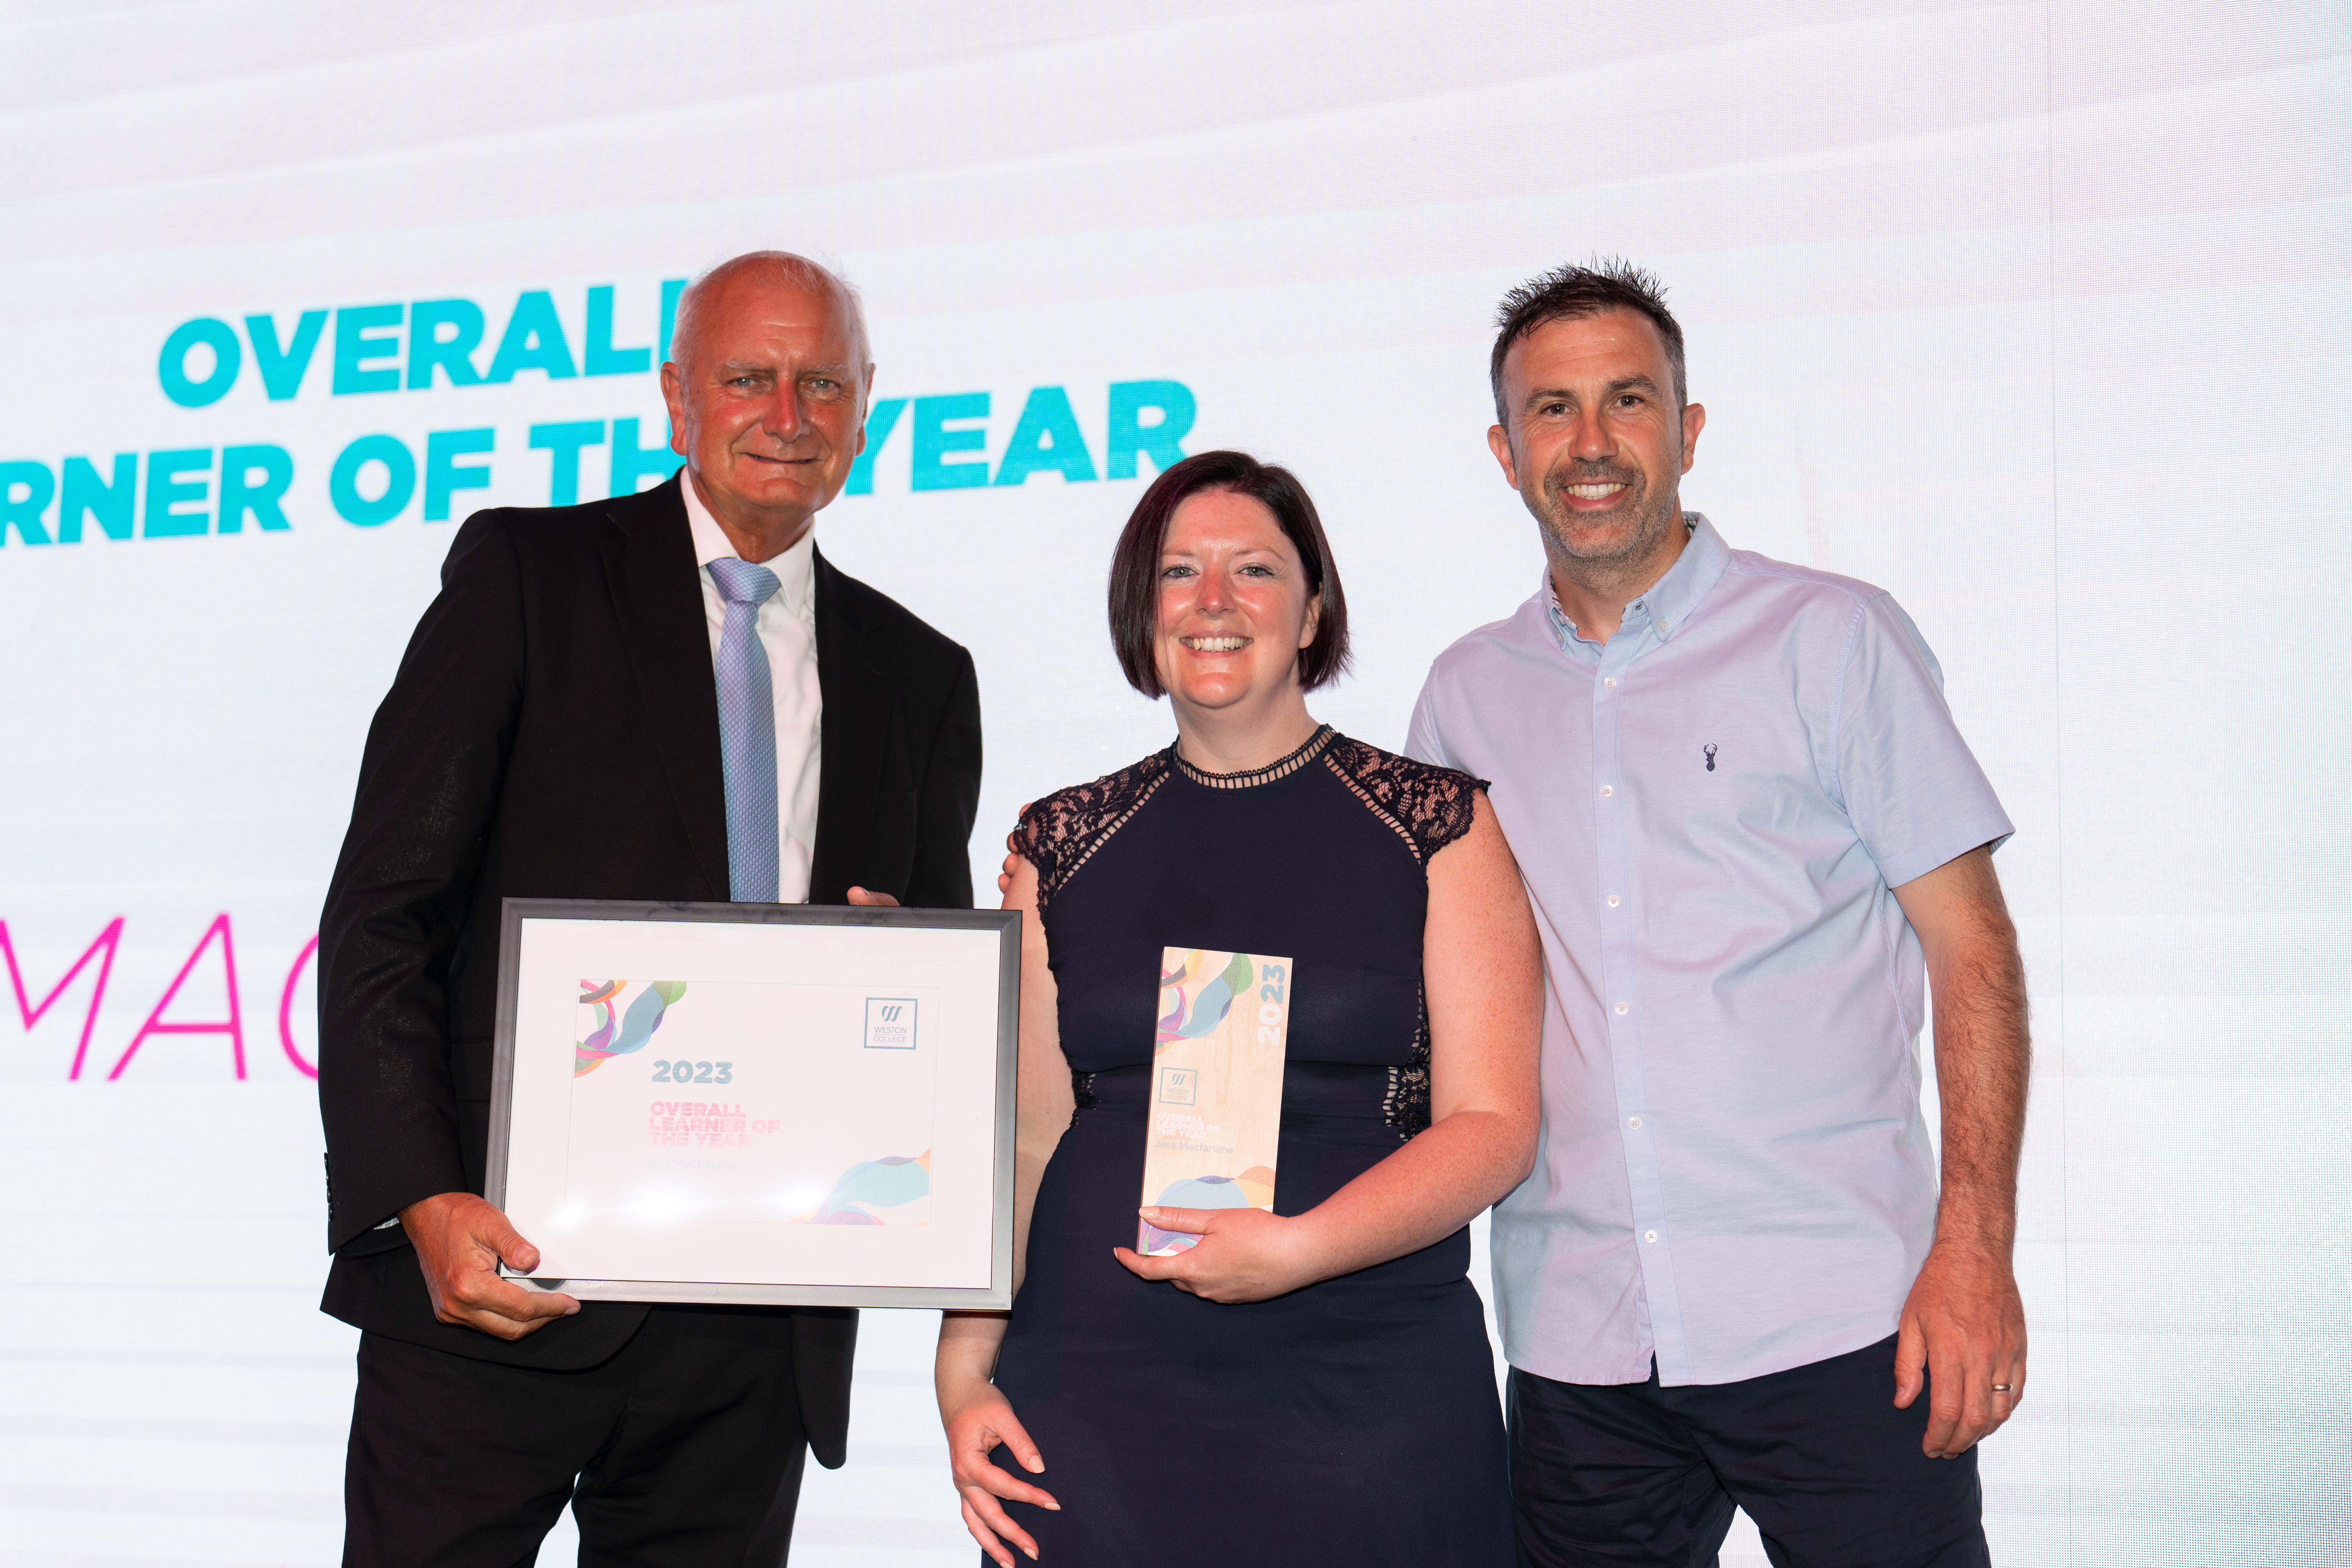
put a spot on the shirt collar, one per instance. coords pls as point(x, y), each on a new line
point(796, 569)
point(1669, 602)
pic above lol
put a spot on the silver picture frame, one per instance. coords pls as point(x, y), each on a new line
point(999, 1115)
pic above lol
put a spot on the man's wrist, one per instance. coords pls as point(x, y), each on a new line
point(409, 1215)
point(1977, 1218)
point(1976, 1245)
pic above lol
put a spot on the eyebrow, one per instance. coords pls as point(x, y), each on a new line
point(761, 368)
point(1623, 383)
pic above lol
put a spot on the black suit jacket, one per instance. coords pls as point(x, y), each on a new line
point(553, 733)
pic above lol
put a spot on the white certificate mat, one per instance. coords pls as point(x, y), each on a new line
point(758, 1102)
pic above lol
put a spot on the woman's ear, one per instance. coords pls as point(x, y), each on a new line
point(1314, 620)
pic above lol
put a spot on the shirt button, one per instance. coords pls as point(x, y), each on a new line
point(1632, 1121)
point(1612, 900)
point(1620, 1007)
point(1649, 1235)
point(1663, 628)
point(1606, 791)
point(1608, 681)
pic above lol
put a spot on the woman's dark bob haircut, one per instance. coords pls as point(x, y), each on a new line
point(1135, 565)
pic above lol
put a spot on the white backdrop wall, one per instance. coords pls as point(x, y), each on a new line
point(2037, 314)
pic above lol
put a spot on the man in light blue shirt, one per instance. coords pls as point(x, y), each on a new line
point(1752, 836)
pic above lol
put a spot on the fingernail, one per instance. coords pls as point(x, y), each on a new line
point(1148, 1213)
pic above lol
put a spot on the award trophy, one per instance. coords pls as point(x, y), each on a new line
point(1216, 1087)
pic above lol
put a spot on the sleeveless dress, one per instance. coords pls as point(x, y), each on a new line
point(1354, 1421)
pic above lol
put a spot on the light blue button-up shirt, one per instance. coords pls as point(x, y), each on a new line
point(1710, 812)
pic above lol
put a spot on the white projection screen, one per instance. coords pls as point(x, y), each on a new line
point(2036, 314)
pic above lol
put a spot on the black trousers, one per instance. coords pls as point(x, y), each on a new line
point(1829, 1469)
point(684, 1450)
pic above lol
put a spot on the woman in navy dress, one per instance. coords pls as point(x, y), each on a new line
point(1313, 1385)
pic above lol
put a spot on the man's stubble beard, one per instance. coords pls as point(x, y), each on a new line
point(1650, 514)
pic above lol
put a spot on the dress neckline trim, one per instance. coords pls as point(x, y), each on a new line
point(1314, 747)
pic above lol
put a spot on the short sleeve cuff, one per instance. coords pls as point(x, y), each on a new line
point(1950, 845)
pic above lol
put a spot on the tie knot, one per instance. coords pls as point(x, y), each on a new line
point(742, 583)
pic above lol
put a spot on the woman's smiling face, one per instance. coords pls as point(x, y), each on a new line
point(1234, 605)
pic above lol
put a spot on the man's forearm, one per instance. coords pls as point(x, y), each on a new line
point(1983, 1057)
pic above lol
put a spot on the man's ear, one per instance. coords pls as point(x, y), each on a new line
point(1498, 441)
point(1694, 421)
point(864, 407)
point(673, 385)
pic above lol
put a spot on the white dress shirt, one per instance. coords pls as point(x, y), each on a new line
point(787, 629)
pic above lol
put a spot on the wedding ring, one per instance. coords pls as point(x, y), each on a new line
point(2001, 1388)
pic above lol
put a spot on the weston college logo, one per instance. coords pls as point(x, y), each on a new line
point(889, 1024)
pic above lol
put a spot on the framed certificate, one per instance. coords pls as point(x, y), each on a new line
point(762, 1103)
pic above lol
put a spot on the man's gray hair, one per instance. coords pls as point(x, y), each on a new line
point(781, 265)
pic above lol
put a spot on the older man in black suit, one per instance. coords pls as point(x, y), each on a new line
point(666, 696)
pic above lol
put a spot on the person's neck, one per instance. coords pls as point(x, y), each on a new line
point(1225, 740)
point(1594, 593)
point(757, 535)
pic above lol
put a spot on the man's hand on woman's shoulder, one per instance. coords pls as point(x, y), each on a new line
point(1013, 858)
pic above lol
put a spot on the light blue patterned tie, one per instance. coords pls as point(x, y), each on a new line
point(747, 732)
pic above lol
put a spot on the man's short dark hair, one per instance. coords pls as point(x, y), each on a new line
point(1135, 563)
point(1570, 293)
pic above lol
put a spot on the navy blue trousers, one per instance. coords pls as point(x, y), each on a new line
point(1633, 1474)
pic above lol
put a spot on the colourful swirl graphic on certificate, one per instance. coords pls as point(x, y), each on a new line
point(613, 1028)
point(888, 1191)
point(1215, 1126)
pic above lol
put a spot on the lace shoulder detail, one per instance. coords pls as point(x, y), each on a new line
point(1059, 834)
point(1429, 809)
point(1429, 806)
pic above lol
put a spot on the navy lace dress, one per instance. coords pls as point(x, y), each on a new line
point(1354, 1421)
